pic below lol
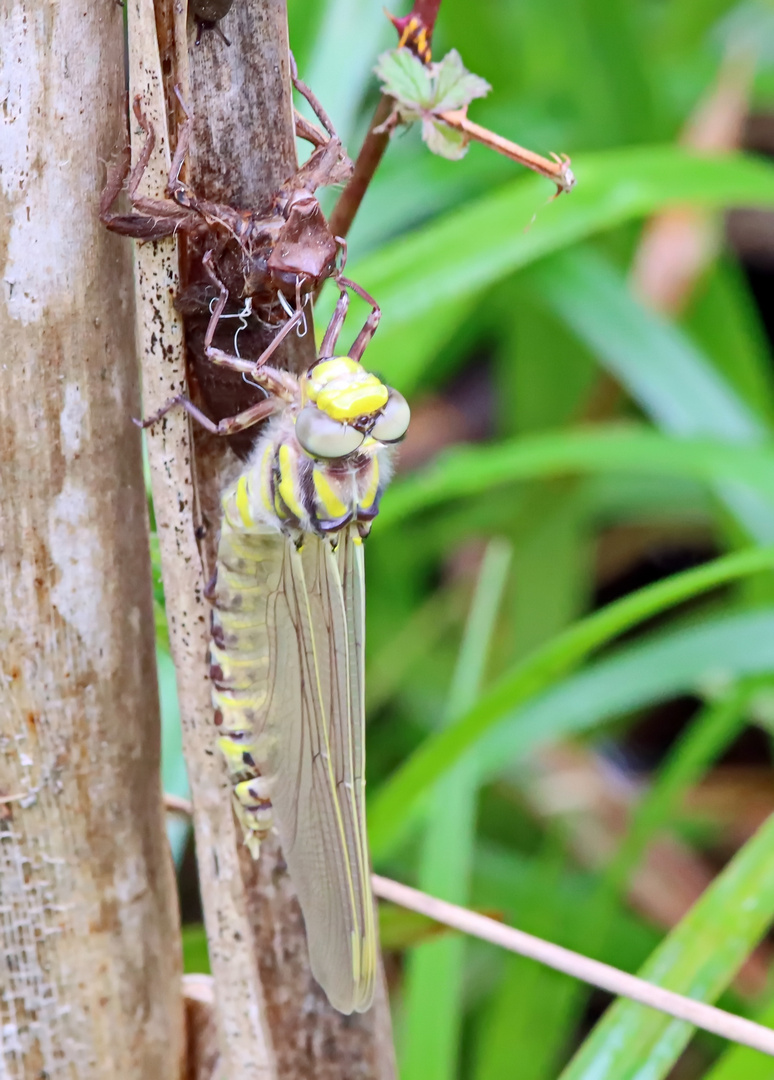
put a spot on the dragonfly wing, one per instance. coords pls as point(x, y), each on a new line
point(314, 724)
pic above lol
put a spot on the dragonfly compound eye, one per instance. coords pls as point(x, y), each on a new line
point(323, 437)
point(393, 423)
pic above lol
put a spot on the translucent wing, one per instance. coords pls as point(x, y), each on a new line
point(315, 728)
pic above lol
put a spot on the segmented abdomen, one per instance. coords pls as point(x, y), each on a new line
point(248, 572)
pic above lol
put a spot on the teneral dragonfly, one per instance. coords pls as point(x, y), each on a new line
point(288, 638)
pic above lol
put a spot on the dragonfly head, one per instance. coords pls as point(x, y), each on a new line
point(343, 405)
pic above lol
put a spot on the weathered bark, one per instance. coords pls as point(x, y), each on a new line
point(243, 148)
point(88, 921)
point(243, 1033)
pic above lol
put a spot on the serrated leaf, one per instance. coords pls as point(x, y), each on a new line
point(455, 86)
point(428, 88)
point(443, 140)
point(406, 78)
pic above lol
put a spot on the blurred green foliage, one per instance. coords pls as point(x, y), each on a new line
point(508, 319)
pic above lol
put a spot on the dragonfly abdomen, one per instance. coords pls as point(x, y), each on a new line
point(248, 575)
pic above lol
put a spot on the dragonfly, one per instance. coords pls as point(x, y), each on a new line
point(288, 635)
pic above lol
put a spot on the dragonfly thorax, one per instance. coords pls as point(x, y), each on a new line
point(285, 489)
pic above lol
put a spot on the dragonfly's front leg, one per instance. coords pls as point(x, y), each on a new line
point(279, 386)
point(230, 425)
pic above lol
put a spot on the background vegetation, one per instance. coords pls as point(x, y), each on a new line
point(573, 442)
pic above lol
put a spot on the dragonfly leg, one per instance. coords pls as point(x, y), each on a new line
point(230, 425)
point(279, 384)
point(119, 174)
point(217, 311)
point(333, 328)
point(270, 379)
point(360, 343)
point(174, 183)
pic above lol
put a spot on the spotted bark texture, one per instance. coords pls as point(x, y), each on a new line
point(243, 149)
point(243, 1036)
point(89, 937)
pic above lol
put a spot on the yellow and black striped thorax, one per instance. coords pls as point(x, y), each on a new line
point(324, 461)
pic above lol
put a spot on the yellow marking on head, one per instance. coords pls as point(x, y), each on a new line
point(362, 398)
point(338, 367)
point(332, 504)
point(373, 486)
point(287, 485)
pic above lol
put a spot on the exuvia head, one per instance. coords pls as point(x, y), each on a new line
point(343, 404)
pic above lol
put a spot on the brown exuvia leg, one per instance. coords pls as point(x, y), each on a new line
point(333, 329)
point(304, 90)
point(157, 217)
point(360, 344)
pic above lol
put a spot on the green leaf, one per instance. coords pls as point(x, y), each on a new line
point(742, 1063)
point(699, 958)
point(406, 78)
point(444, 140)
point(703, 659)
point(658, 364)
point(196, 957)
point(455, 86)
point(707, 736)
point(434, 984)
point(395, 800)
point(617, 449)
point(422, 88)
point(472, 247)
point(656, 361)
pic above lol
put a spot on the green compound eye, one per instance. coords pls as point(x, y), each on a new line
point(394, 421)
point(323, 437)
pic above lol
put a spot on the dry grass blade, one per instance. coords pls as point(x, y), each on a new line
point(594, 972)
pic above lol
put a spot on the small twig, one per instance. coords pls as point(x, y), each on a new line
point(557, 168)
point(371, 153)
point(421, 18)
point(178, 805)
point(594, 972)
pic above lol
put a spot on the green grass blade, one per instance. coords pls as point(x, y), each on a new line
point(708, 735)
point(475, 246)
point(655, 360)
point(434, 985)
point(742, 1063)
point(394, 803)
point(658, 364)
point(689, 659)
point(470, 470)
point(698, 958)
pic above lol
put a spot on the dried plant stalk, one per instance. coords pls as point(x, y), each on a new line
point(243, 148)
point(88, 915)
point(243, 1036)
